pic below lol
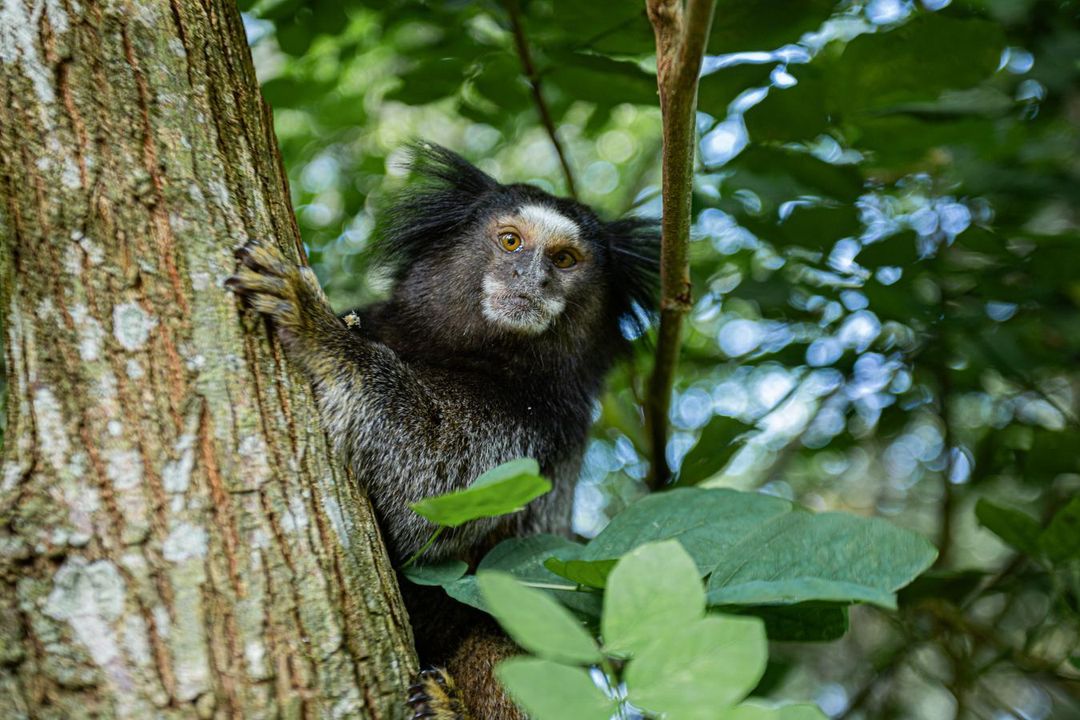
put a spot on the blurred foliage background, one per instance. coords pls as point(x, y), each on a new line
point(886, 255)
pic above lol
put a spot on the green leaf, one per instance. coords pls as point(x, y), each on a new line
point(801, 557)
point(951, 585)
point(432, 80)
point(707, 523)
point(899, 249)
point(804, 622)
point(765, 24)
point(791, 114)
point(693, 671)
point(816, 227)
point(977, 101)
point(592, 573)
point(916, 61)
point(756, 711)
point(717, 89)
point(524, 557)
point(761, 550)
point(536, 621)
point(1061, 539)
point(714, 448)
point(800, 712)
point(436, 574)
point(780, 174)
point(653, 590)
point(1019, 530)
point(602, 80)
point(550, 691)
point(504, 489)
point(617, 28)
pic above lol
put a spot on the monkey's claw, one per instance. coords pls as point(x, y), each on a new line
point(435, 697)
point(284, 291)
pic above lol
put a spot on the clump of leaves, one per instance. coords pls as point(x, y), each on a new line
point(661, 652)
point(652, 582)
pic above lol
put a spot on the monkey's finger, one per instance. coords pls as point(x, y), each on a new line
point(263, 258)
point(247, 281)
point(281, 311)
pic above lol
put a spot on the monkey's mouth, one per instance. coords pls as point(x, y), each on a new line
point(518, 312)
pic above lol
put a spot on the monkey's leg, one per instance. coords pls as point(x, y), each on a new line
point(463, 645)
point(467, 688)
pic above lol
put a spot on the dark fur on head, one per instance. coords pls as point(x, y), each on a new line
point(449, 202)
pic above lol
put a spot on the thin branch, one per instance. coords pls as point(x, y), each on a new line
point(681, 37)
point(533, 76)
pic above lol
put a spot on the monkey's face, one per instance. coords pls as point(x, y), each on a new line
point(539, 265)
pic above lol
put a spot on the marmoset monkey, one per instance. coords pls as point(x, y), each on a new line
point(509, 306)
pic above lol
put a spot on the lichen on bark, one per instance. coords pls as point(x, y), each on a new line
point(176, 539)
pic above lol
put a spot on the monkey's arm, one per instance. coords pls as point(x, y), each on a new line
point(401, 432)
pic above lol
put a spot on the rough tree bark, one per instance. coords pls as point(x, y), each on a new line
point(175, 538)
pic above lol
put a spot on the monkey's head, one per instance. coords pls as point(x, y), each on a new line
point(477, 262)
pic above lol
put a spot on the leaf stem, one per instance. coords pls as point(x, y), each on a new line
point(551, 586)
point(430, 541)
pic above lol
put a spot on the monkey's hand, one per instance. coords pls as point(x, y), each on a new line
point(434, 696)
point(290, 296)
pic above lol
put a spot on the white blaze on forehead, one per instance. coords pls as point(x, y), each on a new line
point(549, 223)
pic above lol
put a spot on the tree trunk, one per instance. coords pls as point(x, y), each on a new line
point(175, 538)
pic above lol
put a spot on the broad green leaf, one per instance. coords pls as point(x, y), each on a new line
point(504, 489)
point(436, 574)
point(803, 622)
point(815, 227)
point(714, 448)
point(899, 250)
point(536, 621)
point(694, 671)
point(915, 61)
point(524, 559)
point(802, 556)
point(1019, 530)
point(717, 89)
point(1061, 539)
point(765, 24)
point(757, 711)
point(592, 573)
point(952, 585)
point(800, 712)
point(618, 28)
point(790, 114)
point(777, 175)
point(501, 82)
point(760, 549)
point(550, 691)
point(432, 80)
point(749, 711)
point(653, 590)
point(983, 101)
point(707, 523)
point(602, 80)
point(507, 471)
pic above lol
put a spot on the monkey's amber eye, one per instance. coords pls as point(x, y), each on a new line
point(511, 242)
point(564, 259)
